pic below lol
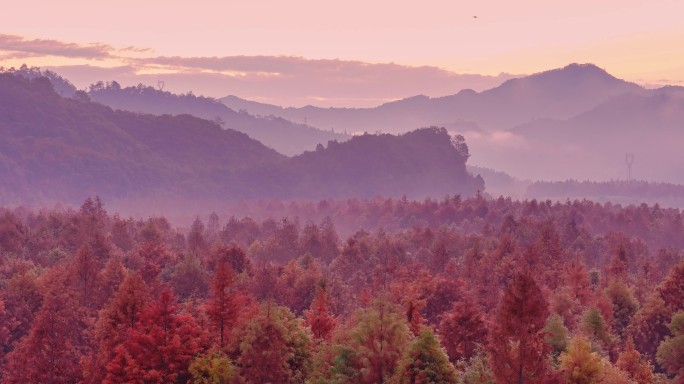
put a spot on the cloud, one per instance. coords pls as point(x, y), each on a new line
point(281, 80)
point(15, 46)
point(17, 55)
point(289, 80)
point(131, 48)
point(46, 47)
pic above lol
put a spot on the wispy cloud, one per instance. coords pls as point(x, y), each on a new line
point(131, 48)
point(46, 47)
point(319, 82)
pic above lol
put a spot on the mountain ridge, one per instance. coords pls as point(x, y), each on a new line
point(65, 149)
point(557, 93)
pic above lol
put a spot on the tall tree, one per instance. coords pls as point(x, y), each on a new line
point(85, 270)
point(649, 325)
point(624, 305)
point(318, 317)
point(51, 351)
point(462, 329)
point(226, 302)
point(114, 324)
point(160, 347)
point(518, 347)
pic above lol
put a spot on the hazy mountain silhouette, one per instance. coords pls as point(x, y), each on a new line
point(64, 149)
point(58, 148)
point(422, 163)
point(284, 136)
point(593, 144)
point(559, 94)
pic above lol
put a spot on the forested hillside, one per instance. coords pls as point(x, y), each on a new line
point(457, 291)
point(63, 149)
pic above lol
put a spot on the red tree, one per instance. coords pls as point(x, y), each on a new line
point(518, 347)
point(226, 303)
point(113, 326)
point(672, 289)
point(85, 268)
point(51, 351)
point(462, 329)
point(317, 317)
point(160, 347)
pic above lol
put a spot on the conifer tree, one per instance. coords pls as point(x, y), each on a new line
point(318, 317)
point(51, 351)
point(114, 324)
point(462, 329)
point(275, 348)
point(425, 362)
point(160, 347)
point(518, 346)
point(671, 351)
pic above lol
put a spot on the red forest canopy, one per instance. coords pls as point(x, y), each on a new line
point(356, 291)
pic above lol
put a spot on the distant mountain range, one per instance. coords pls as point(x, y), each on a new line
point(282, 135)
point(557, 94)
point(55, 149)
point(648, 124)
point(573, 122)
point(576, 122)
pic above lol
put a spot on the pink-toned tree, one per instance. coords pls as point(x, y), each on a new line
point(160, 347)
point(318, 317)
point(517, 345)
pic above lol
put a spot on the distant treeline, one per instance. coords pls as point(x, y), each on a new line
point(616, 191)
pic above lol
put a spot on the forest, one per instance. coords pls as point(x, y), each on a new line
point(382, 290)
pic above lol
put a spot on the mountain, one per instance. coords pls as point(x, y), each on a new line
point(63, 149)
point(58, 149)
point(558, 94)
point(426, 162)
point(592, 145)
point(284, 136)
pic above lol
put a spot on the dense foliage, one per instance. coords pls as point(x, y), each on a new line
point(457, 291)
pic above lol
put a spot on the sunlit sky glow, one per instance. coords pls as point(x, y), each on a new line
point(641, 41)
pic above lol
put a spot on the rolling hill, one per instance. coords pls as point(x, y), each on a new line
point(58, 149)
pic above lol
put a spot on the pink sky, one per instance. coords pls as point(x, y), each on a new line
point(641, 41)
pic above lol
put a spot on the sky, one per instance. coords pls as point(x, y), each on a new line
point(350, 53)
